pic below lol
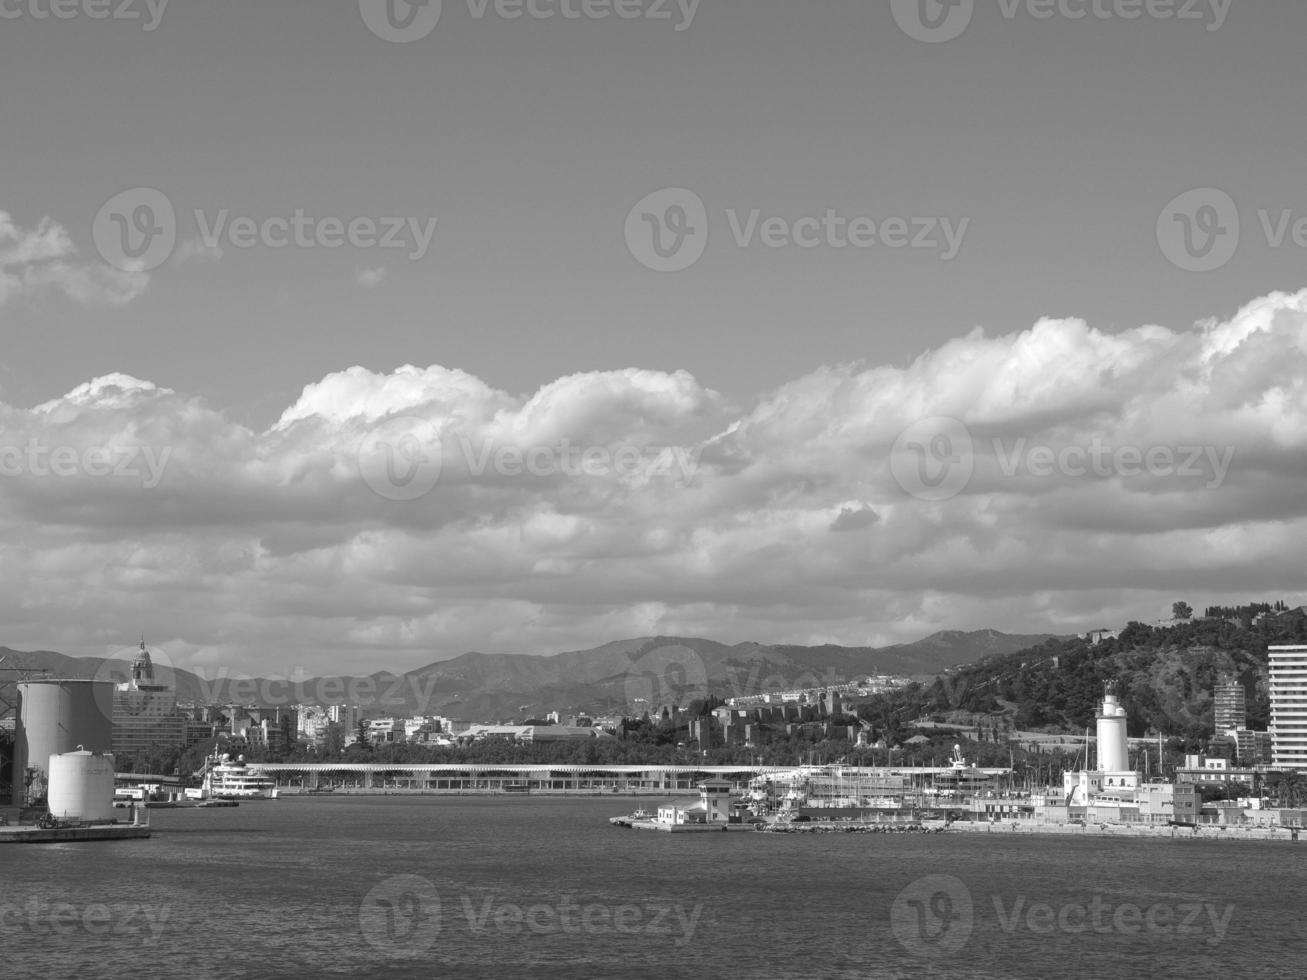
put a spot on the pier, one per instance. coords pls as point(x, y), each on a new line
point(31, 834)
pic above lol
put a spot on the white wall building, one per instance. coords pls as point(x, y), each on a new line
point(1289, 706)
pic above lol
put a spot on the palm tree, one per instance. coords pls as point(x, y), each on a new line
point(1289, 789)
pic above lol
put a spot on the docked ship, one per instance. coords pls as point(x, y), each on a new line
point(962, 776)
point(835, 787)
point(223, 778)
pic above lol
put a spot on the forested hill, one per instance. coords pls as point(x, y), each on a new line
point(1165, 677)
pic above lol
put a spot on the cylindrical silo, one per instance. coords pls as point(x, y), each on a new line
point(56, 716)
point(81, 787)
point(1112, 745)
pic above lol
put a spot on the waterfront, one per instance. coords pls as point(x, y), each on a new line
point(547, 888)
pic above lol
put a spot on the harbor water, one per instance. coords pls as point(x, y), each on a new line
point(478, 887)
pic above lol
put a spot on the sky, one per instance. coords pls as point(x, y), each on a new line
point(338, 335)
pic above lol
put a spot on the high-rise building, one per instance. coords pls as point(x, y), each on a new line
point(1289, 706)
point(1230, 704)
point(145, 712)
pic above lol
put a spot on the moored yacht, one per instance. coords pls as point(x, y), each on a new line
point(226, 779)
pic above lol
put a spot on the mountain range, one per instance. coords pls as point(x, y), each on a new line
point(627, 676)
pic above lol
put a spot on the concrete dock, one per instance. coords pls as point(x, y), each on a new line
point(31, 834)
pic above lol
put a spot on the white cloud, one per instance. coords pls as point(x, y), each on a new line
point(371, 278)
point(270, 547)
point(39, 259)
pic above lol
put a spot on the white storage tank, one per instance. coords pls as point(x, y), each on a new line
point(56, 716)
point(81, 786)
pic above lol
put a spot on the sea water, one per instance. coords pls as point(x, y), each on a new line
point(471, 887)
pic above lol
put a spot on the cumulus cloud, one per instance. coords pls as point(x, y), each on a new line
point(35, 260)
point(1054, 478)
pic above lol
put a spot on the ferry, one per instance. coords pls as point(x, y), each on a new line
point(225, 779)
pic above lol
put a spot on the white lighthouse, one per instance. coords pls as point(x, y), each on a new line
point(1112, 754)
point(1113, 776)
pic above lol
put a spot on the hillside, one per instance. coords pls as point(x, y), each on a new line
point(1165, 677)
point(608, 678)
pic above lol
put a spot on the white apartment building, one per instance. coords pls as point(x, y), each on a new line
point(1289, 706)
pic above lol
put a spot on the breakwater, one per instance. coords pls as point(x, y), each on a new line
point(1202, 832)
point(847, 828)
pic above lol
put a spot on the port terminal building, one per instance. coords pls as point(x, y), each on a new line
point(577, 779)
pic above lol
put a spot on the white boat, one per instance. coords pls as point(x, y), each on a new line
point(227, 779)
